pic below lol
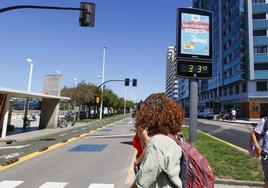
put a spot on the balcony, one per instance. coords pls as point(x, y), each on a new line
point(260, 24)
point(260, 40)
point(259, 8)
point(260, 58)
point(263, 74)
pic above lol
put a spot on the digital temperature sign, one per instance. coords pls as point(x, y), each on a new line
point(194, 70)
point(194, 43)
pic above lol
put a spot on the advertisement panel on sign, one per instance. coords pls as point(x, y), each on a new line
point(194, 34)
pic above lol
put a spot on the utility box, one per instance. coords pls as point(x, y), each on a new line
point(52, 84)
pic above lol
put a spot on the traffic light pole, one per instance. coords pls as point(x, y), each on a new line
point(87, 11)
point(37, 7)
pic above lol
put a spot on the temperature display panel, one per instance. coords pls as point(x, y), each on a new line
point(194, 70)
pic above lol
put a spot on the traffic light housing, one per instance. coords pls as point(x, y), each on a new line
point(127, 82)
point(134, 82)
point(97, 100)
point(87, 14)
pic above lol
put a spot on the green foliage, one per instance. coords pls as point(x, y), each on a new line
point(85, 93)
point(227, 162)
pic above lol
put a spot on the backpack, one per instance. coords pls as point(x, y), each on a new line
point(196, 166)
point(251, 148)
point(195, 170)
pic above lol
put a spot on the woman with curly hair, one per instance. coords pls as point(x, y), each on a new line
point(162, 118)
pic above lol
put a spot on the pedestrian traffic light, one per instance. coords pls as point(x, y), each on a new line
point(127, 82)
point(87, 14)
point(134, 82)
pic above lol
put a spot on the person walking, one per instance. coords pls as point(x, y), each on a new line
point(261, 130)
point(233, 114)
point(162, 118)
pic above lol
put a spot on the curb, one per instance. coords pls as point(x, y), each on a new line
point(247, 123)
point(238, 182)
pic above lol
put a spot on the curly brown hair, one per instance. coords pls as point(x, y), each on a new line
point(160, 115)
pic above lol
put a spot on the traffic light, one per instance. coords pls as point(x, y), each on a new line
point(87, 14)
point(97, 100)
point(134, 82)
point(127, 82)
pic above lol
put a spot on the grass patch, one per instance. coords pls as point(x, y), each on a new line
point(227, 162)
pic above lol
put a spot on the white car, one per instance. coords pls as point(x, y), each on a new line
point(206, 113)
point(209, 113)
point(201, 114)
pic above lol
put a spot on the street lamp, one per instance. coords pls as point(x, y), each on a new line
point(30, 74)
point(75, 82)
point(25, 120)
point(102, 79)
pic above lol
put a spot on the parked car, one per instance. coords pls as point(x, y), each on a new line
point(208, 113)
point(201, 114)
point(133, 113)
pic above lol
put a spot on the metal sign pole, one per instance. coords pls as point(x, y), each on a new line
point(193, 110)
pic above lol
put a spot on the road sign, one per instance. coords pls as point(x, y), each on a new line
point(194, 43)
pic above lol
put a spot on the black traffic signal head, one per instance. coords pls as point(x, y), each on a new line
point(134, 82)
point(127, 82)
point(87, 14)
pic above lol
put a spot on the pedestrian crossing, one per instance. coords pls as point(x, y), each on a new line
point(14, 184)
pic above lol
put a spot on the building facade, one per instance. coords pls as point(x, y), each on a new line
point(176, 88)
point(240, 57)
point(172, 84)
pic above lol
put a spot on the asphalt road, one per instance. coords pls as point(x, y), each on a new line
point(101, 160)
point(34, 141)
point(237, 134)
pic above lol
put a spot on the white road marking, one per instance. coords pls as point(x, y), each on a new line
point(130, 122)
point(12, 155)
point(74, 131)
point(63, 134)
point(185, 125)
point(14, 147)
point(53, 185)
point(111, 136)
point(131, 174)
point(10, 184)
point(83, 128)
point(95, 185)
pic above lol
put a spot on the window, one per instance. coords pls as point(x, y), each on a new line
point(259, 16)
point(261, 86)
point(258, 1)
point(236, 89)
point(260, 49)
point(225, 91)
point(244, 87)
point(231, 90)
point(261, 66)
point(259, 32)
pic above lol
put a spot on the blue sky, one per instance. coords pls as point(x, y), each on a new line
point(137, 34)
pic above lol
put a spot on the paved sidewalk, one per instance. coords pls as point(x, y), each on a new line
point(233, 186)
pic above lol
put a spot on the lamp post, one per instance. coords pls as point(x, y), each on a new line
point(76, 111)
point(76, 82)
point(102, 79)
point(25, 120)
